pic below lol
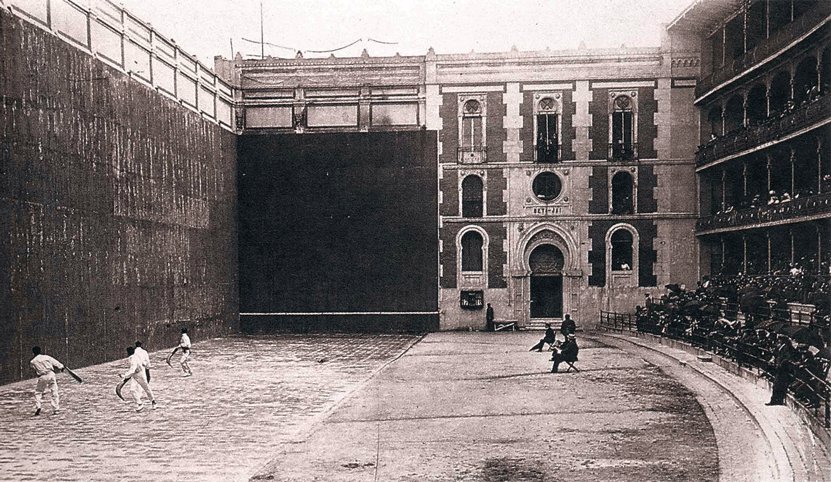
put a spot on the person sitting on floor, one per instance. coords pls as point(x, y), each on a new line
point(550, 337)
point(566, 353)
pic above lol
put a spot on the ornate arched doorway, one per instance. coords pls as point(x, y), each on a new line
point(546, 263)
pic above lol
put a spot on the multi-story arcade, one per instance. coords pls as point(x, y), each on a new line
point(565, 179)
point(764, 163)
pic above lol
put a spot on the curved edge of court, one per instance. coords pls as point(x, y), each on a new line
point(754, 441)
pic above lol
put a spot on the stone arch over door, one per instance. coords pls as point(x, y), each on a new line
point(547, 262)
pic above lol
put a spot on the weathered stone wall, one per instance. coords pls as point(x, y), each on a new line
point(117, 209)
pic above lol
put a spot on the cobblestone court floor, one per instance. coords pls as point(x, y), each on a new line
point(248, 396)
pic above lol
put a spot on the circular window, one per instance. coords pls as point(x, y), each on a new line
point(623, 103)
point(547, 186)
point(472, 107)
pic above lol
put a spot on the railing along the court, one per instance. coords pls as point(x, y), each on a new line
point(809, 384)
point(617, 321)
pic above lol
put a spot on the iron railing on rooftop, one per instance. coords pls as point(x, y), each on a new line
point(115, 36)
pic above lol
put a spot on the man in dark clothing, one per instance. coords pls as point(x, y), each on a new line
point(783, 361)
point(489, 318)
point(566, 353)
point(568, 326)
point(550, 337)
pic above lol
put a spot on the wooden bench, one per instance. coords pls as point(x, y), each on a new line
point(504, 325)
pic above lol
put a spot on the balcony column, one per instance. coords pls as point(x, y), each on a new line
point(744, 253)
point(819, 248)
point(793, 168)
point(767, 243)
point(767, 166)
point(767, 97)
point(723, 253)
point(744, 179)
point(791, 83)
point(744, 109)
point(723, 199)
point(744, 28)
point(820, 173)
point(790, 238)
point(723, 121)
point(767, 19)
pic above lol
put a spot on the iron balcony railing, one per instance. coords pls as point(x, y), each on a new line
point(771, 129)
point(765, 48)
point(802, 206)
point(472, 155)
point(548, 155)
point(623, 151)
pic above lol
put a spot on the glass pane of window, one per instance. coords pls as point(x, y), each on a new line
point(472, 132)
point(621, 250)
point(547, 142)
point(622, 194)
point(622, 136)
point(472, 197)
point(547, 186)
point(472, 251)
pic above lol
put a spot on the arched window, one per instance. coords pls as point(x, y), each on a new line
point(734, 114)
point(714, 120)
point(622, 129)
point(756, 104)
point(547, 138)
point(622, 188)
point(621, 250)
point(472, 251)
point(780, 92)
point(472, 197)
point(805, 86)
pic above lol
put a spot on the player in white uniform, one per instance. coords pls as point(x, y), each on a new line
point(45, 366)
point(136, 372)
point(145, 359)
point(184, 344)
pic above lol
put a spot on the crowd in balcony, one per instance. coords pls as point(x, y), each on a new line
point(748, 318)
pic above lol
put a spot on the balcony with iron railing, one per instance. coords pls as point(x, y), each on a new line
point(472, 154)
point(621, 151)
point(771, 129)
point(795, 209)
point(776, 42)
point(548, 155)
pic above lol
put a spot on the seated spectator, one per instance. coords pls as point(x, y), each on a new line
point(566, 353)
point(550, 337)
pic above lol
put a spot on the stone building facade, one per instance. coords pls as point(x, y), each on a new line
point(566, 179)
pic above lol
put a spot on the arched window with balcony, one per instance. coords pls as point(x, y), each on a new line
point(547, 140)
point(623, 117)
point(622, 259)
point(472, 197)
point(622, 193)
point(472, 259)
point(805, 81)
point(734, 114)
point(780, 93)
point(757, 104)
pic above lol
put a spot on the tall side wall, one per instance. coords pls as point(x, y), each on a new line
point(117, 210)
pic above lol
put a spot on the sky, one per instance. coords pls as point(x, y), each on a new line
point(206, 28)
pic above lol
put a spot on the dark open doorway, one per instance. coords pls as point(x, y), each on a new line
point(546, 296)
